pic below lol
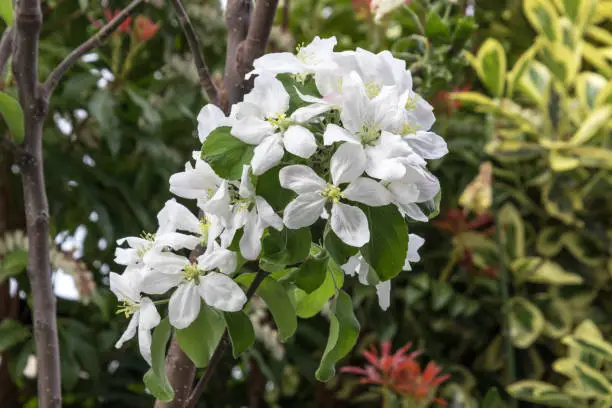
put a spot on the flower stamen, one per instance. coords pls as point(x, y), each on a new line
point(333, 193)
point(127, 308)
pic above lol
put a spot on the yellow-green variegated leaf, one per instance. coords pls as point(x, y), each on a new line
point(605, 96)
point(526, 322)
point(519, 68)
point(560, 201)
point(602, 12)
point(513, 150)
point(587, 330)
point(535, 81)
point(588, 87)
point(492, 62)
point(544, 18)
point(593, 382)
point(523, 267)
point(597, 59)
point(552, 273)
point(558, 316)
point(582, 248)
point(590, 345)
point(513, 231)
point(562, 61)
point(560, 162)
point(492, 359)
point(599, 34)
point(579, 11)
point(540, 393)
point(592, 125)
point(549, 241)
point(474, 99)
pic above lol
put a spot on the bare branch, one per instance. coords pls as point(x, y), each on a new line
point(286, 16)
point(95, 41)
point(196, 49)
point(6, 47)
point(237, 15)
point(259, 32)
point(181, 372)
point(220, 349)
point(28, 21)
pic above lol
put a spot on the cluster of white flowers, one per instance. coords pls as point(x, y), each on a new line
point(360, 139)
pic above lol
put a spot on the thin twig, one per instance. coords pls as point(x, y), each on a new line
point(6, 47)
point(237, 17)
point(95, 41)
point(220, 349)
point(196, 49)
point(258, 34)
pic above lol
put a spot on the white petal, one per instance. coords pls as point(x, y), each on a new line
point(176, 241)
point(210, 118)
point(278, 63)
point(246, 189)
point(145, 339)
point(220, 258)
point(306, 113)
point(176, 217)
point(130, 331)
point(268, 154)
point(350, 224)
point(367, 191)
point(267, 215)
point(413, 211)
point(221, 292)
point(194, 182)
point(133, 242)
point(126, 256)
point(250, 242)
point(304, 210)
point(334, 133)
point(415, 242)
point(252, 130)
point(149, 317)
point(301, 179)
point(184, 305)
point(427, 144)
point(157, 282)
point(123, 287)
point(219, 203)
point(404, 192)
point(347, 163)
point(351, 266)
point(299, 141)
point(383, 291)
point(165, 261)
point(269, 95)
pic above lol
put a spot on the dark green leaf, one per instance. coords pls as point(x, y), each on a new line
point(311, 274)
point(435, 28)
point(492, 399)
point(276, 298)
point(240, 331)
point(338, 250)
point(268, 186)
point(155, 379)
point(226, 154)
point(343, 332)
point(307, 87)
point(463, 31)
point(441, 294)
point(102, 107)
point(201, 337)
point(12, 333)
point(310, 304)
point(11, 110)
point(286, 247)
point(13, 264)
point(386, 251)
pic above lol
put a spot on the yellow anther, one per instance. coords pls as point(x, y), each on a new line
point(372, 89)
point(127, 308)
point(333, 193)
point(408, 128)
point(191, 273)
point(410, 104)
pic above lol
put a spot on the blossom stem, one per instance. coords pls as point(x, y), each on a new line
point(220, 349)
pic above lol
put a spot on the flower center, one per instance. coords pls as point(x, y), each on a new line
point(144, 248)
point(409, 128)
point(204, 227)
point(410, 104)
point(372, 89)
point(368, 133)
point(280, 121)
point(333, 193)
point(191, 273)
point(305, 56)
point(128, 308)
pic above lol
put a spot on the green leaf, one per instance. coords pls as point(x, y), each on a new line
point(13, 264)
point(155, 379)
point(526, 322)
point(519, 69)
point(463, 31)
point(11, 111)
point(557, 316)
point(307, 87)
point(543, 17)
point(435, 28)
point(386, 250)
point(276, 298)
point(268, 186)
point(553, 274)
point(513, 231)
point(338, 250)
point(311, 273)
point(492, 399)
point(12, 333)
point(549, 241)
point(593, 124)
point(343, 332)
point(492, 66)
point(441, 294)
point(286, 247)
point(240, 331)
point(102, 107)
point(201, 337)
point(310, 304)
point(226, 154)
point(6, 11)
point(539, 392)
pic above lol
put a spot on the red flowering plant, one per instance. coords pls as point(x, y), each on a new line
point(401, 375)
